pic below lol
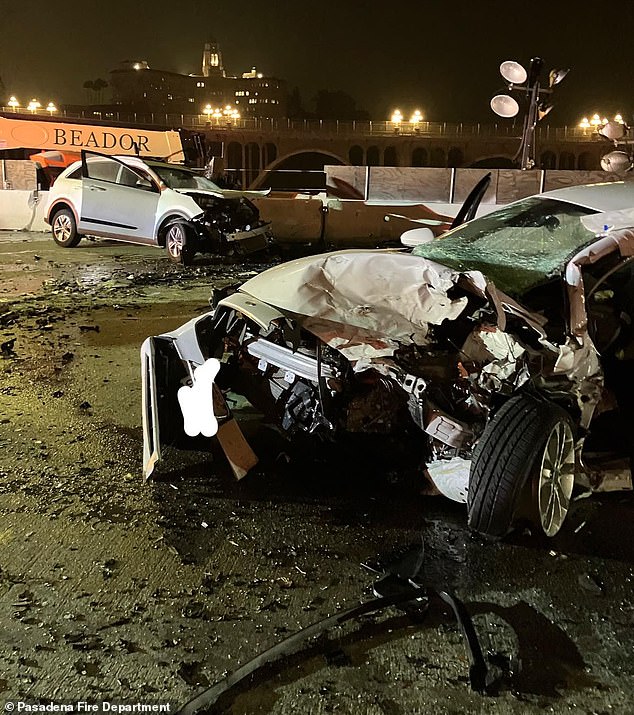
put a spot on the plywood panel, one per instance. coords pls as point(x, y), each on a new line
point(346, 182)
point(20, 174)
point(466, 179)
point(560, 178)
point(515, 184)
point(389, 183)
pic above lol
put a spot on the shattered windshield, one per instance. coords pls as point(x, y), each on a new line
point(518, 246)
point(178, 178)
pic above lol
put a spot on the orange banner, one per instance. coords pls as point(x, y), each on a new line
point(34, 134)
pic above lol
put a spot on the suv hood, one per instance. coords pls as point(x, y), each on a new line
point(225, 193)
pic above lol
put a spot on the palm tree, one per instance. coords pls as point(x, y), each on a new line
point(99, 85)
point(89, 86)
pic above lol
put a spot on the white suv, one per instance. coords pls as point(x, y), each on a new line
point(153, 203)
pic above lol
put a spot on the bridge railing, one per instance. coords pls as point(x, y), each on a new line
point(362, 128)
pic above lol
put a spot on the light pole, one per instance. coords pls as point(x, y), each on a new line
point(13, 103)
point(537, 98)
point(396, 119)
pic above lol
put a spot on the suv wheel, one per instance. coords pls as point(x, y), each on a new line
point(176, 244)
point(64, 229)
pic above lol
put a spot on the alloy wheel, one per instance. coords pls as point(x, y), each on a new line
point(175, 241)
point(556, 478)
point(62, 227)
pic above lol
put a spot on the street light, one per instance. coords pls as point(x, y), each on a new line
point(396, 120)
point(33, 106)
point(538, 101)
point(231, 114)
point(208, 110)
point(50, 108)
point(416, 119)
point(13, 103)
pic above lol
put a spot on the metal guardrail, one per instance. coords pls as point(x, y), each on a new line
point(320, 126)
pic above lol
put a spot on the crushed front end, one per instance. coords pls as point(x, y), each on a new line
point(230, 225)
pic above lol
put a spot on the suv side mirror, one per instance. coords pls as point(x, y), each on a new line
point(416, 236)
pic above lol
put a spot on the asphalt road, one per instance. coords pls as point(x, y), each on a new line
point(115, 590)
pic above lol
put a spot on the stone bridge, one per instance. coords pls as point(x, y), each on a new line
point(291, 156)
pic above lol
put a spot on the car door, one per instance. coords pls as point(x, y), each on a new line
point(117, 200)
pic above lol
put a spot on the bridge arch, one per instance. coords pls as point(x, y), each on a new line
point(548, 160)
point(455, 157)
point(355, 155)
point(297, 170)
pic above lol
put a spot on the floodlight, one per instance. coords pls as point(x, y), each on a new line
point(513, 72)
point(555, 76)
point(613, 131)
point(504, 105)
point(617, 161)
point(542, 109)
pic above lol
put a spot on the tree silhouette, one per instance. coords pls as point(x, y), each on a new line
point(337, 105)
point(99, 85)
point(89, 86)
point(94, 89)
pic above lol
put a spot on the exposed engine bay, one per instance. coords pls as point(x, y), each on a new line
point(229, 223)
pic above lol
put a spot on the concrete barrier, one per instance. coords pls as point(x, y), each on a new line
point(23, 210)
point(296, 220)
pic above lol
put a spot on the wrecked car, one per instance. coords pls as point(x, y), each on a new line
point(507, 345)
point(154, 203)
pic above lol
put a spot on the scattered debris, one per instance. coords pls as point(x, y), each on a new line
point(591, 583)
point(6, 348)
point(393, 589)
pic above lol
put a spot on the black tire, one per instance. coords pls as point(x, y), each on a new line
point(178, 244)
point(64, 229)
point(509, 468)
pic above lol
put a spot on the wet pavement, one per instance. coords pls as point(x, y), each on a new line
point(117, 590)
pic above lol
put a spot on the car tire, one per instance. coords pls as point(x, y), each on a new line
point(64, 229)
point(178, 248)
point(523, 465)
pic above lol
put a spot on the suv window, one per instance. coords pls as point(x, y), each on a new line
point(102, 169)
point(136, 179)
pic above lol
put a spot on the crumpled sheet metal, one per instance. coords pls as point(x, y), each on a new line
point(501, 355)
point(579, 361)
point(451, 477)
point(389, 294)
point(621, 240)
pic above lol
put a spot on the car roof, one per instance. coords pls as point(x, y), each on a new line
point(606, 196)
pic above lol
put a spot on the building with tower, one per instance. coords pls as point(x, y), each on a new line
point(138, 87)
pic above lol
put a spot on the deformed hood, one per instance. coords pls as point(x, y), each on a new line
point(387, 293)
point(226, 193)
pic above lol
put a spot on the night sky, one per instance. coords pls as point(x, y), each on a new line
point(436, 55)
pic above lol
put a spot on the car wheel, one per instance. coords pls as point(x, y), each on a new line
point(64, 229)
point(523, 465)
point(176, 244)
